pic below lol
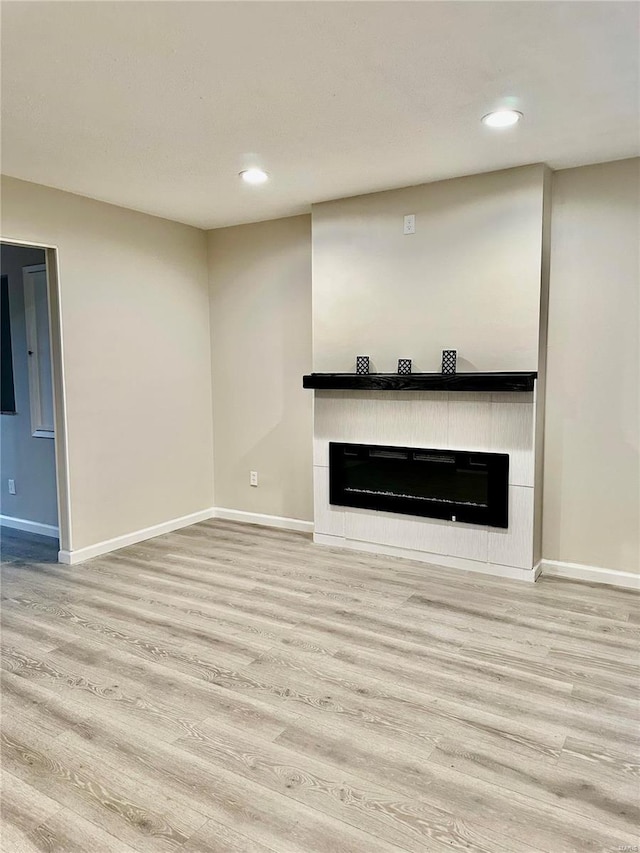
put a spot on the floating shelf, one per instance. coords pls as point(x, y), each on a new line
point(421, 381)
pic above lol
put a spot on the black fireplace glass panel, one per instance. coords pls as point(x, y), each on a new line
point(455, 485)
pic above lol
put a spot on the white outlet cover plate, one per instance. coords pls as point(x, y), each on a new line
point(410, 223)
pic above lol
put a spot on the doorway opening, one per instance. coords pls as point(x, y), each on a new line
point(33, 486)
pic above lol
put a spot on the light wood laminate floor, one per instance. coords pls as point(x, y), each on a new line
point(230, 688)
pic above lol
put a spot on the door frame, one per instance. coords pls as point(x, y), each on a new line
point(59, 387)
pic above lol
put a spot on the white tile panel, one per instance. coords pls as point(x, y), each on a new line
point(327, 519)
point(514, 546)
point(411, 419)
point(469, 424)
point(512, 396)
point(512, 432)
point(419, 534)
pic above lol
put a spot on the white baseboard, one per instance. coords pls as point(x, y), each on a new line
point(266, 520)
point(494, 569)
point(79, 555)
point(70, 558)
point(592, 574)
point(29, 526)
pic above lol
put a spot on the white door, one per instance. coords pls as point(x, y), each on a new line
point(36, 308)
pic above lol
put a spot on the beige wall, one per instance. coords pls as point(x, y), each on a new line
point(592, 467)
point(260, 286)
point(146, 340)
point(28, 460)
point(468, 279)
point(135, 317)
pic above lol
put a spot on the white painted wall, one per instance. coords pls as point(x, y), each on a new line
point(468, 279)
point(136, 307)
point(260, 290)
point(135, 314)
point(28, 460)
point(592, 435)
point(591, 471)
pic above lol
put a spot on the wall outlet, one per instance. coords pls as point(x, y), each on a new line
point(12, 487)
point(410, 223)
point(253, 478)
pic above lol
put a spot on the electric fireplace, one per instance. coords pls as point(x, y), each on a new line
point(457, 485)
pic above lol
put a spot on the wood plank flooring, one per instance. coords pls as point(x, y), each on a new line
point(17, 546)
point(236, 689)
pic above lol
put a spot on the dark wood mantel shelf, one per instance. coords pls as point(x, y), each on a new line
point(517, 381)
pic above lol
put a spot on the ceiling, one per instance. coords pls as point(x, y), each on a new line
point(157, 106)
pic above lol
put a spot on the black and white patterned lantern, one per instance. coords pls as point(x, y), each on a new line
point(404, 366)
point(362, 365)
point(449, 357)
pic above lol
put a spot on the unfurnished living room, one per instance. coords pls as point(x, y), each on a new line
point(320, 472)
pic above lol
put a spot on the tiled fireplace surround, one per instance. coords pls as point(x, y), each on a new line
point(500, 422)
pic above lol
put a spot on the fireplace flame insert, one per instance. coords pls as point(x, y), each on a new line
point(457, 485)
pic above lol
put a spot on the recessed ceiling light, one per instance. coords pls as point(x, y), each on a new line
point(502, 118)
point(254, 176)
